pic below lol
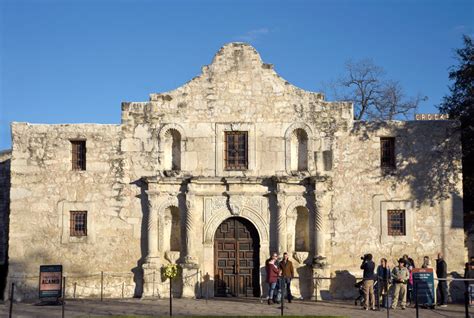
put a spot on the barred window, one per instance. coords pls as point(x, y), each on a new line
point(396, 222)
point(387, 152)
point(78, 223)
point(236, 152)
point(78, 154)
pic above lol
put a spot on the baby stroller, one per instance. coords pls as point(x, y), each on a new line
point(361, 297)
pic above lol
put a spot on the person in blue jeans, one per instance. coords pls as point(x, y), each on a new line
point(272, 276)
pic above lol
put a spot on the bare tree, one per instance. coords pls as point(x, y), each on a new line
point(374, 97)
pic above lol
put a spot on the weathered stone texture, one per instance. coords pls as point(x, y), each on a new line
point(132, 185)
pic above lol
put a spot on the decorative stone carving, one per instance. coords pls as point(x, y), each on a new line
point(235, 204)
point(172, 256)
point(300, 257)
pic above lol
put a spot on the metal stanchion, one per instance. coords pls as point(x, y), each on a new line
point(171, 297)
point(466, 300)
point(387, 298)
point(74, 293)
point(12, 292)
point(378, 293)
point(101, 286)
point(153, 284)
point(200, 284)
point(63, 303)
point(207, 280)
point(282, 295)
point(316, 290)
point(416, 299)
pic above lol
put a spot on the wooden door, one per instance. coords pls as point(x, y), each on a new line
point(236, 256)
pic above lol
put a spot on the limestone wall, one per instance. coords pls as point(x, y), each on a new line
point(130, 183)
point(44, 189)
point(426, 183)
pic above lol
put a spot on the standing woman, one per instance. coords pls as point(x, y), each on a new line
point(427, 264)
point(272, 276)
point(383, 277)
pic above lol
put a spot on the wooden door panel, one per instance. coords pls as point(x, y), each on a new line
point(236, 249)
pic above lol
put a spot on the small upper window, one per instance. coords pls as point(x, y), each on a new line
point(78, 223)
point(78, 154)
point(236, 152)
point(387, 152)
point(396, 222)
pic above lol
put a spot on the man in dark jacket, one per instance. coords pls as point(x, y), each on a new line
point(442, 272)
point(287, 272)
point(368, 277)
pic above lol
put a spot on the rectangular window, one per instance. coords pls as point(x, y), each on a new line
point(396, 222)
point(236, 152)
point(78, 154)
point(78, 223)
point(327, 160)
point(387, 152)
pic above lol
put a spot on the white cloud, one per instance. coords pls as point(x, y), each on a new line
point(253, 35)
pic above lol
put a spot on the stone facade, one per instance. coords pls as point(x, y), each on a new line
point(156, 187)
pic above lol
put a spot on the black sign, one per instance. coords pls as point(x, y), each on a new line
point(423, 279)
point(50, 282)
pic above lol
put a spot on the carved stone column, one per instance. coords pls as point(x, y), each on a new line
point(152, 228)
point(322, 205)
point(190, 265)
point(280, 198)
point(319, 226)
point(151, 267)
point(190, 224)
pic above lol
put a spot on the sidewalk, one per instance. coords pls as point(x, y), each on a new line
point(217, 306)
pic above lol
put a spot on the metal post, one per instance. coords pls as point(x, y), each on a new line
point(64, 297)
point(101, 286)
point(378, 293)
point(316, 289)
point(466, 299)
point(207, 280)
point(200, 284)
point(387, 298)
point(12, 292)
point(282, 292)
point(416, 298)
point(171, 297)
point(75, 285)
point(153, 284)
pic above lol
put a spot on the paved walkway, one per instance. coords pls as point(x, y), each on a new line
point(218, 306)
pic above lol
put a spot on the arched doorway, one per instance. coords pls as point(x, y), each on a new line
point(236, 258)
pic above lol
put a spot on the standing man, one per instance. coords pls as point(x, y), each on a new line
point(368, 278)
point(400, 278)
point(442, 272)
point(287, 273)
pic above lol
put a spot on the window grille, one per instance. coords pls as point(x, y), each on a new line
point(396, 222)
point(78, 223)
point(236, 152)
point(78, 154)
point(387, 152)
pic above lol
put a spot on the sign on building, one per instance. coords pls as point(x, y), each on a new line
point(423, 279)
point(431, 116)
point(50, 282)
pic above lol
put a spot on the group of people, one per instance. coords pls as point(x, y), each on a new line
point(279, 276)
point(399, 280)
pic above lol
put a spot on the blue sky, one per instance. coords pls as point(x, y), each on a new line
point(76, 61)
